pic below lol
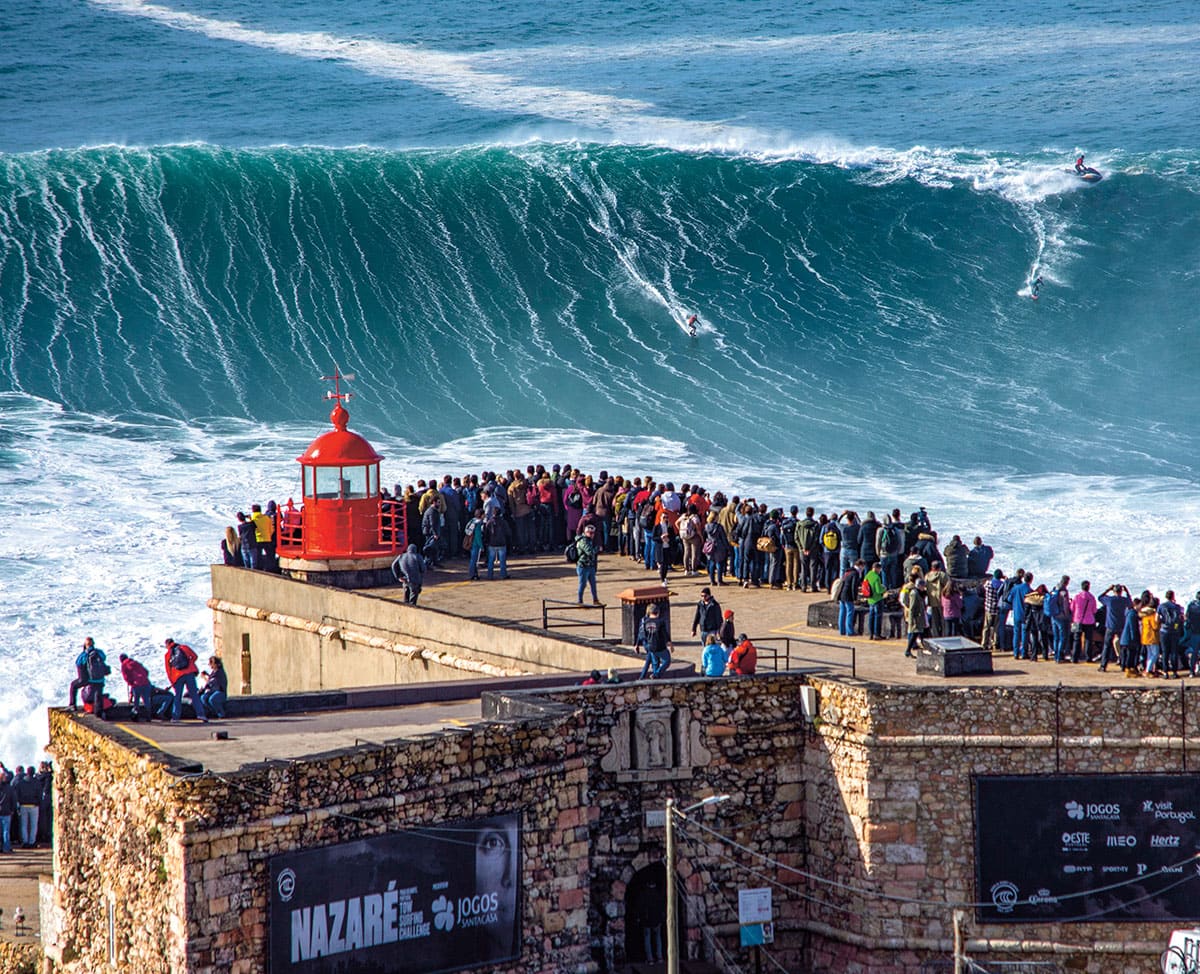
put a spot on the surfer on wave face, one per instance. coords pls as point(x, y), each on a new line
point(691, 325)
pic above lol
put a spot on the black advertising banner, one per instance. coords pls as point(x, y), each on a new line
point(1087, 848)
point(417, 902)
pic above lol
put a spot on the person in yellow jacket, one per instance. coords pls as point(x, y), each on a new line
point(264, 534)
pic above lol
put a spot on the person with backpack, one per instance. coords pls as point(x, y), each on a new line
point(587, 554)
point(716, 548)
point(91, 667)
point(180, 662)
point(1170, 633)
point(473, 542)
point(889, 545)
point(1057, 608)
point(655, 640)
point(137, 678)
point(81, 676)
point(831, 547)
point(808, 542)
point(691, 532)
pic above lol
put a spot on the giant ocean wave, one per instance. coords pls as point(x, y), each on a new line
point(867, 307)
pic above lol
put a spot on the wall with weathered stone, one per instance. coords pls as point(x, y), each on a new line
point(302, 637)
point(118, 832)
point(737, 736)
point(864, 819)
point(187, 854)
point(890, 811)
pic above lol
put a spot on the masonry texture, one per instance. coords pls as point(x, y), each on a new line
point(873, 800)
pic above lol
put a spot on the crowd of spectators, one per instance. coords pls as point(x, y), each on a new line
point(873, 567)
point(26, 806)
point(146, 700)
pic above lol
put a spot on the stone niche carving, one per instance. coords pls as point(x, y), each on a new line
point(655, 742)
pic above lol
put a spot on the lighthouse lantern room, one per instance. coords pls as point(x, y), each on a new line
point(345, 532)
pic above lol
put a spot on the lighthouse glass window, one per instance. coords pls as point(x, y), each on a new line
point(354, 482)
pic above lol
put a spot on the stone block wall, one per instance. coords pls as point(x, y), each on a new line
point(890, 809)
point(117, 852)
point(749, 738)
point(864, 820)
point(187, 856)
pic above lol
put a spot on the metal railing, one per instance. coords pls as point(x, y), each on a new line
point(555, 621)
point(772, 655)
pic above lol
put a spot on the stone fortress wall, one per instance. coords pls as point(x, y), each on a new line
point(875, 796)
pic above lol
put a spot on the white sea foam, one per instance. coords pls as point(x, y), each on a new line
point(113, 523)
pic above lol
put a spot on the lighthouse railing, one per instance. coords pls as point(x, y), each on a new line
point(393, 524)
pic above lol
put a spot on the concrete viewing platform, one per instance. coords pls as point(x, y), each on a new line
point(768, 616)
point(544, 587)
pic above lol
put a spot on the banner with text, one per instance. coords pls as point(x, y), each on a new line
point(1092, 848)
point(419, 902)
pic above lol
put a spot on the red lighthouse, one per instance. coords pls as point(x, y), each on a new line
point(345, 533)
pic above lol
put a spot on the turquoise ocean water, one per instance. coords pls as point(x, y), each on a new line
point(497, 216)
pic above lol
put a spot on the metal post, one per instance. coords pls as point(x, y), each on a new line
point(672, 906)
point(960, 965)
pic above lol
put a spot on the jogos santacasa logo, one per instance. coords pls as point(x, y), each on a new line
point(1094, 811)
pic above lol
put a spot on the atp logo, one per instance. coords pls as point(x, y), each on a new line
point(1074, 810)
point(443, 914)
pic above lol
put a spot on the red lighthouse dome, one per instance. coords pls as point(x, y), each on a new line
point(346, 531)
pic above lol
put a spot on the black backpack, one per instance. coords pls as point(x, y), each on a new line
point(571, 553)
point(646, 516)
point(97, 669)
point(179, 660)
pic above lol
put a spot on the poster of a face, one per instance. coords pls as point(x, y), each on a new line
point(422, 901)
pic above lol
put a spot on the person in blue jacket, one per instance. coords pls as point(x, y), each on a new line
point(715, 657)
point(1016, 597)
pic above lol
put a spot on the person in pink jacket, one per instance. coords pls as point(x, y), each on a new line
point(1083, 623)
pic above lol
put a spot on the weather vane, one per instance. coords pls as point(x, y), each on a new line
point(336, 379)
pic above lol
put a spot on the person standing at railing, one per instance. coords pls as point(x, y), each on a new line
point(587, 554)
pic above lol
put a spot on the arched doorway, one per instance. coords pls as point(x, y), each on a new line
point(646, 915)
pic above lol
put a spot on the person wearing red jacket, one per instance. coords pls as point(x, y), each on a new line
point(140, 691)
point(743, 661)
point(180, 661)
